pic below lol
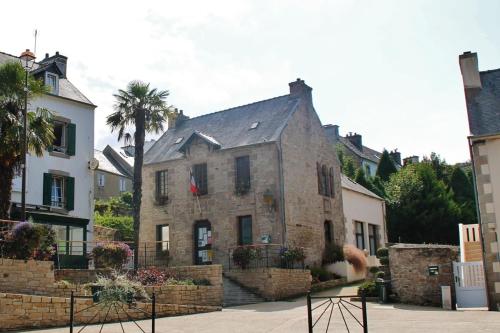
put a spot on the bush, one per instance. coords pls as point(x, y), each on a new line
point(22, 241)
point(292, 255)
point(380, 275)
point(370, 289)
point(320, 274)
point(47, 248)
point(242, 256)
point(384, 261)
point(151, 277)
point(111, 255)
point(333, 253)
point(382, 252)
point(374, 269)
point(355, 257)
point(202, 282)
point(118, 288)
point(124, 224)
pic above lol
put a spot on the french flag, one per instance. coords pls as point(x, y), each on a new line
point(192, 182)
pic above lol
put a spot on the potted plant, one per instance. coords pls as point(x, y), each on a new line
point(242, 256)
point(116, 288)
point(111, 255)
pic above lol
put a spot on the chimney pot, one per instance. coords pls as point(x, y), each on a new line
point(46, 55)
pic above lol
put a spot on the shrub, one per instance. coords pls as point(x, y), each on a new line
point(22, 241)
point(118, 288)
point(382, 252)
point(374, 269)
point(355, 257)
point(320, 274)
point(124, 224)
point(370, 289)
point(202, 282)
point(384, 261)
point(333, 253)
point(380, 275)
point(242, 256)
point(111, 255)
point(47, 248)
point(151, 277)
point(292, 255)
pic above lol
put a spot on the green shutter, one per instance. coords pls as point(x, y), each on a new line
point(71, 131)
point(70, 193)
point(47, 189)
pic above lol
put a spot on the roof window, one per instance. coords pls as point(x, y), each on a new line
point(254, 125)
point(178, 140)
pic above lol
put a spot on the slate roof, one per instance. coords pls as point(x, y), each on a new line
point(114, 162)
point(350, 184)
point(66, 88)
point(229, 128)
point(483, 105)
point(105, 164)
point(366, 153)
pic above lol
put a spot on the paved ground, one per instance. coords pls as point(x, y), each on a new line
point(292, 317)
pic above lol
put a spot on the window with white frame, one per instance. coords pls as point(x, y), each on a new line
point(57, 192)
point(123, 184)
point(101, 179)
point(52, 81)
point(360, 235)
point(372, 239)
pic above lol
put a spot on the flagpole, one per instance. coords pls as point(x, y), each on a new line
point(199, 206)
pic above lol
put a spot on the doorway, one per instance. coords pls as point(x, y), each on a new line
point(203, 243)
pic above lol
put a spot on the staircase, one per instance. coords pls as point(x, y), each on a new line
point(235, 295)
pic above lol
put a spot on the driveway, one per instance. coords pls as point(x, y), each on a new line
point(292, 317)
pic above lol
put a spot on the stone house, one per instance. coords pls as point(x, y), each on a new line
point(482, 97)
point(114, 173)
point(59, 186)
point(265, 171)
point(363, 156)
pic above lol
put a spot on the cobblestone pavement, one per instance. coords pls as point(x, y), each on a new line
point(292, 317)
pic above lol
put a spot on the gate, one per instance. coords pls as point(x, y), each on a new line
point(470, 286)
point(319, 316)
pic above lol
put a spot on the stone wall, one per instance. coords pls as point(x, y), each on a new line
point(212, 273)
point(409, 266)
point(29, 277)
point(105, 234)
point(199, 295)
point(273, 283)
point(29, 311)
point(80, 276)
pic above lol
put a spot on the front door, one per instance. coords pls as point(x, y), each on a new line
point(202, 243)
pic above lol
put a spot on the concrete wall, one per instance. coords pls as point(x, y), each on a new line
point(409, 266)
point(111, 186)
point(359, 207)
point(303, 145)
point(273, 283)
point(486, 155)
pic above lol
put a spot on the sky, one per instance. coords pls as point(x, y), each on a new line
point(385, 69)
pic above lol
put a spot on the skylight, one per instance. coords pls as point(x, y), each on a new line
point(254, 125)
point(178, 140)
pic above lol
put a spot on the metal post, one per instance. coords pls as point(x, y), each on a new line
point(71, 310)
point(267, 256)
point(153, 314)
point(25, 122)
point(363, 307)
point(309, 314)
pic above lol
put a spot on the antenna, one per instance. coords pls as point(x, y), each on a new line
point(36, 33)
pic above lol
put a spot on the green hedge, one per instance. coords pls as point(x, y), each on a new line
point(124, 224)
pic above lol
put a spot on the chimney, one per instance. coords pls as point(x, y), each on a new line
point(396, 156)
point(410, 160)
point(470, 70)
point(176, 118)
point(356, 139)
point(300, 89)
point(59, 60)
point(332, 131)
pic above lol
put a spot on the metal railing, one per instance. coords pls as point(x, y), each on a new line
point(263, 256)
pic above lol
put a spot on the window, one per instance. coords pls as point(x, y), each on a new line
point(360, 235)
point(242, 174)
point(123, 184)
point(101, 179)
point(328, 233)
point(52, 81)
point(254, 125)
point(58, 191)
point(161, 186)
point(64, 138)
point(70, 239)
point(368, 170)
point(373, 239)
point(178, 140)
point(245, 230)
point(200, 177)
point(162, 237)
point(326, 185)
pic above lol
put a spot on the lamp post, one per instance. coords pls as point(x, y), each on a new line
point(27, 59)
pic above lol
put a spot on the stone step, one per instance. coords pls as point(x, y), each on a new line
point(235, 295)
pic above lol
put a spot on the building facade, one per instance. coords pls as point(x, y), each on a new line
point(59, 187)
point(113, 175)
point(265, 173)
point(482, 96)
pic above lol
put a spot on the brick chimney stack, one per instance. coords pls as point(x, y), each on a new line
point(299, 88)
point(60, 61)
point(396, 156)
point(332, 131)
point(470, 70)
point(176, 118)
point(356, 139)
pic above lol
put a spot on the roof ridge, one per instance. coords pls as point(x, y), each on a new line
point(490, 70)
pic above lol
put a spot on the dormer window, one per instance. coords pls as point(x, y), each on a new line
point(179, 140)
point(52, 81)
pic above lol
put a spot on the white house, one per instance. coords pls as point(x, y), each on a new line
point(60, 184)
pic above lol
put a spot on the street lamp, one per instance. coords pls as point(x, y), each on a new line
point(27, 59)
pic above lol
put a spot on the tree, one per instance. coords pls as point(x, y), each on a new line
point(463, 194)
point(420, 208)
point(146, 109)
point(346, 162)
point(386, 166)
point(39, 134)
point(360, 178)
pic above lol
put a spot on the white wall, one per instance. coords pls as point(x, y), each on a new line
point(77, 166)
point(369, 210)
point(373, 167)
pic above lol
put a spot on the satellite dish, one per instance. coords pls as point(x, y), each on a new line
point(93, 163)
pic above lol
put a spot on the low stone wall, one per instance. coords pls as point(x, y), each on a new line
point(80, 276)
point(328, 284)
point(212, 273)
point(30, 276)
point(105, 234)
point(411, 280)
point(200, 295)
point(28, 311)
point(273, 283)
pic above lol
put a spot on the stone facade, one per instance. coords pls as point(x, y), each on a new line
point(27, 277)
point(30, 311)
point(273, 283)
point(409, 266)
point(212, 273)
point(285, 169)
point(111, 186)
point(199, 295)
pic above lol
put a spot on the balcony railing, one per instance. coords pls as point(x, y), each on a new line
point(263, 256)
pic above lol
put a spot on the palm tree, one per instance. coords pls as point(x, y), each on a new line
point(146, 109)
point(39, 134)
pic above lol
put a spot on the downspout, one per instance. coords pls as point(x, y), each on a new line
point(282, 191)
point(478, 216)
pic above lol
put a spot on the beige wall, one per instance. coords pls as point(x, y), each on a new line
point(304, 144)
point(111, 186)
point(368, 210)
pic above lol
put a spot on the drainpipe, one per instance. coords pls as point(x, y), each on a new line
point(282, 191)
point(478, 216)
